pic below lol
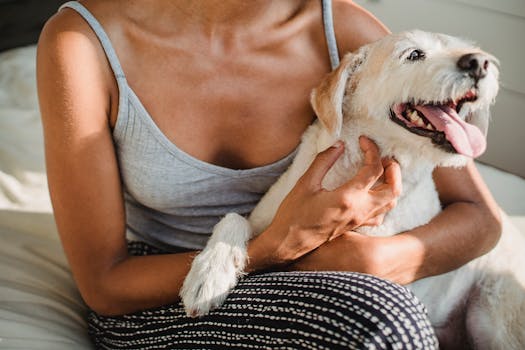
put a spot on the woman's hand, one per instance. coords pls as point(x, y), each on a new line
point(311, 215)
point(350, 251)
point(397, 258)
point(467, 227)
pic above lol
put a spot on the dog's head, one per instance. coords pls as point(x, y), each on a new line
point(424, 91)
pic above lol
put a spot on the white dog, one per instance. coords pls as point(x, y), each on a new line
point(424, 99)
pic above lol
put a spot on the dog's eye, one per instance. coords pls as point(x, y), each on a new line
point(416, 55)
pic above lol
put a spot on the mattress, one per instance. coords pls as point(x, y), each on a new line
point(40, 307)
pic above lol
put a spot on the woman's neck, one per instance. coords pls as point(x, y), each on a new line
point(214, 13)
point(216, 27)
point(214, 17)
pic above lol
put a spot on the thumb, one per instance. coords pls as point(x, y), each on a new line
point(315, 174)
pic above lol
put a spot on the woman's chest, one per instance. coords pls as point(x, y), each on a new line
point(159, 175)
point(236, 109)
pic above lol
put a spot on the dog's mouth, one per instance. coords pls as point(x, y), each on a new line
point(441, 122)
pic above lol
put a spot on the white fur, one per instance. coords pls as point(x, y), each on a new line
point(223, 260)
point(490, 289)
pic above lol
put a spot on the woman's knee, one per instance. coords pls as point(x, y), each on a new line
point(388, 315)
point(361, 311)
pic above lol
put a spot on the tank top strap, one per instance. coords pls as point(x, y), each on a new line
point(102, 37)
point(115, 63)
point(329, 33)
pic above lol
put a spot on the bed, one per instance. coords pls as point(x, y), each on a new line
point(40, 307)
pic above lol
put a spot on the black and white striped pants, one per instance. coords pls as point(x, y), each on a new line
point(280, 310)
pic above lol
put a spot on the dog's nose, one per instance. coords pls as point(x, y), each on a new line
point(475, 64)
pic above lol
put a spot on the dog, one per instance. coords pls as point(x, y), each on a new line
point(424, 99)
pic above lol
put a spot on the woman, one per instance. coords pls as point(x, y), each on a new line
point(160, 117)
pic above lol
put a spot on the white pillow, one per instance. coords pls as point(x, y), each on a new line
point(23, 185)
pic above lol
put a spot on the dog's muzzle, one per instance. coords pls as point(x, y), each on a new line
point(442, 124)
point(474, 64)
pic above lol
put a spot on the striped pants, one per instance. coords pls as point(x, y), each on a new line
point(280, 310)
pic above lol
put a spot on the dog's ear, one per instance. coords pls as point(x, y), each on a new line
point(327, 98)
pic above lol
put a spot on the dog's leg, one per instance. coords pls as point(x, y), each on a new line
point(496, 311)
point(214, 272)
point(495, 316)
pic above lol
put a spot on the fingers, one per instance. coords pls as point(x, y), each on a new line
point(375, 221)
point(372, 169)
point(366, 198)
point(392, 178)
point(322, 163)
point(374, 190)
point(383, 206)
point(384, 196)
point(393, 175)
point(375, 215)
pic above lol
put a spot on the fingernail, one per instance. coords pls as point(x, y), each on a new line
point(364, 138)
point(338, 144)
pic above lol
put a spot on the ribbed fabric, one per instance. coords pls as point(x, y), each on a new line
point(280, 310)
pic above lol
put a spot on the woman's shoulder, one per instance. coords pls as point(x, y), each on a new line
point(355, 26)
point(71, 65)
point(67, 39)
point(68, 27)
point(65, 34)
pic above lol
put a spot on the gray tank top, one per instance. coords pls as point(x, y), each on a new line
point(172, 199)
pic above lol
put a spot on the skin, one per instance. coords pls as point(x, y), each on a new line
point(231, 55)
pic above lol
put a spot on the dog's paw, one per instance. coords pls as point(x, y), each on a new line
point(214, 272)
point(209, 281)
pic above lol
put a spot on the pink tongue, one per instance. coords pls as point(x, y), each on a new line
point(467, 139)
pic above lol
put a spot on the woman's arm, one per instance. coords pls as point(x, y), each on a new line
point(468, 227)
point(75, 91)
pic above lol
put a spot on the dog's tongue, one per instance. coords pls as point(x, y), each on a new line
point(466, 138)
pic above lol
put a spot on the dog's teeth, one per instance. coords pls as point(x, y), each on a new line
point(419, 122)
point(430, 127)
point(414, 116)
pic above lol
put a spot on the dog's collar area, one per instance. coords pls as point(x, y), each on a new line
point(442, 124)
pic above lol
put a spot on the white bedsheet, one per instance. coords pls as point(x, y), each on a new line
point(40, 308)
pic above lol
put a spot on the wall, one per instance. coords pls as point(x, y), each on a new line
point(498, 26)
point(22, 20)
